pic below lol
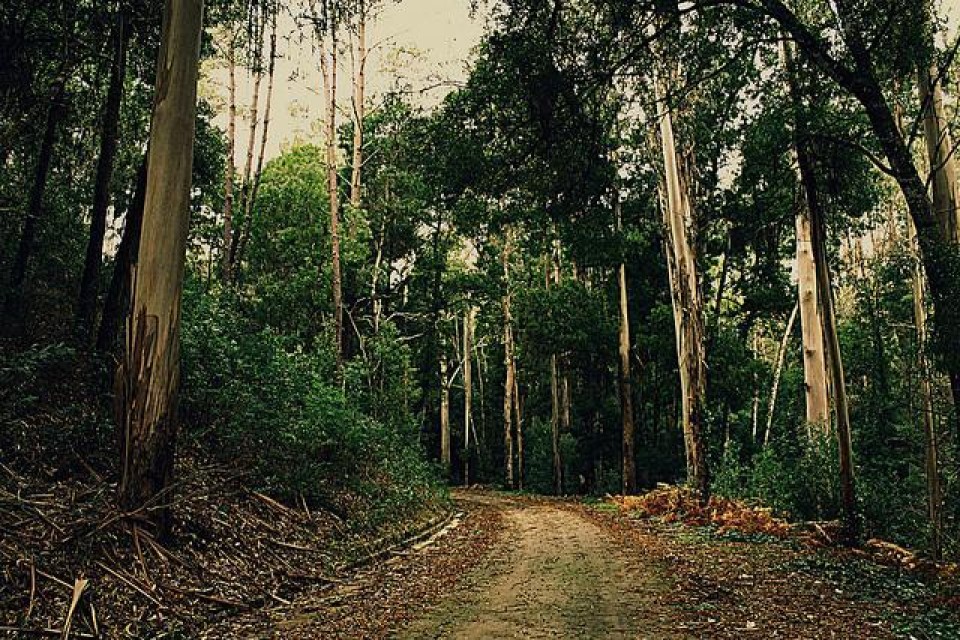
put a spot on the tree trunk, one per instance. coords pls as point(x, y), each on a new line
point(246, 188)
point(18, 272)
point(811, 325)
point(932, 455)
point(231, 163)
point(688, 306)
point(116, 304)
point(148, 378)
point(781, 356)
point(444, 416)
point(329, 69)
point(556, 410)
point(628, 440)
point(90, 280)
point(467, 390)
point(255, 187)
point(518, 423)
point(831, 340)
point(940, 153)
point(359, 83)
point(508, 367)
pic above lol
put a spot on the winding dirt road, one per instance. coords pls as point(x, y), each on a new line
point(554, 574)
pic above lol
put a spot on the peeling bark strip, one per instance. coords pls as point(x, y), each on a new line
point(148, 377)
point(687, 305)
point(811, 325)
point(628, 452)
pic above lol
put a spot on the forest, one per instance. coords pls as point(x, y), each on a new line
point(654, 308)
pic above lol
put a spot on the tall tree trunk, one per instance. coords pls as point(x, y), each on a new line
point(444, 416)
point(246, 188)
point(467, 390)
point(359, 82)
point(518, 424)
point(148, 378)
point(508, 365)
point(329, 69)
point(831, 339)
point(116, 304)
point(251, 197)
point(89, 281)
point(811, 325)
point(18, 272)
point(556, 410)
point(932, 454)
point(940, 153)
point(628, 441)
point(781, 356)
point(228, 179)
point(688, 306)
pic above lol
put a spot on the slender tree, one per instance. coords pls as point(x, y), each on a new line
point(628, 440)
point(231, 169)
point(18, 273)
point(328, 63)
point(508, 363)
point(109, 132)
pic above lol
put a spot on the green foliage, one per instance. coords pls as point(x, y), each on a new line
point(248, 397)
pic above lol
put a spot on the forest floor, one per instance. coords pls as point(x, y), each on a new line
point(519, 566)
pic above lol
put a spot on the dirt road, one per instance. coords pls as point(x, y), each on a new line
point(554, 574)
point(527, 567)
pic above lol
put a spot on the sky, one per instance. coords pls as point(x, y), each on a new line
point(428, 41)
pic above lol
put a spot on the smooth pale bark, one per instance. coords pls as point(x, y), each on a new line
point(328, 63)
point(445, 457)
point(688, 306)
point(778, 371)
point(628, 439)
point(940, 153)
point(90, 279)
point(467, 390)
point(116, 303)
point(359, 86)
point(149, 376)
point(811, 325)
point(228, 178)
point(508, 364)
point(34, 211)
point(831, 339)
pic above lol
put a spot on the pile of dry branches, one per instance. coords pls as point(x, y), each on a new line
point(74, 565)
point(679, 504)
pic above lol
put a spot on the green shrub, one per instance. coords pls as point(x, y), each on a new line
point(247, 395)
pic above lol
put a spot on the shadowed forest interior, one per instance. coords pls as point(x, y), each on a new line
point(274, 278)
